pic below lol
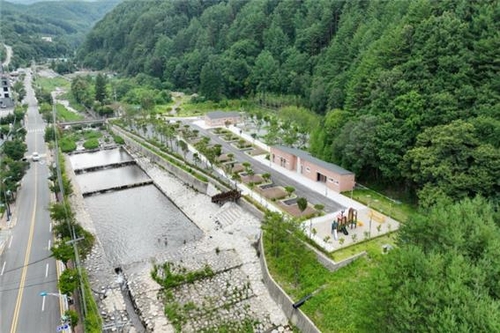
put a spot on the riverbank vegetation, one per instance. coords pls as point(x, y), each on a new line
point(67, 229)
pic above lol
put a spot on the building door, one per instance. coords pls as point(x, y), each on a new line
point(320, 178)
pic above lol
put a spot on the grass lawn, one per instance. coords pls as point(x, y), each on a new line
point(72, 101)
point(66, 115)
point(187, 108)
point(49, 84)
point(374, 245)
point(335, 307)
point(163, 108)
point(92, 135)
point(395, 209)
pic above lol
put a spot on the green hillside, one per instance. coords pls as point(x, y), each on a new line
point(409, 90)
point(65, 22)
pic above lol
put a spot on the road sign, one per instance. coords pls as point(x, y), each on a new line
point(62, 327)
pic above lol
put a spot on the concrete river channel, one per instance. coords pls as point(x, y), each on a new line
point(134, 220)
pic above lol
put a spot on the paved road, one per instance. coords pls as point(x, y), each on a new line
point(301, 190)
point(26, 268)
point(8, 56)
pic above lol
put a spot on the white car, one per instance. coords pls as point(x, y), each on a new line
point(35, 157)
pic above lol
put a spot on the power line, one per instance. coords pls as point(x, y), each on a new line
point(32, 278)
point(28, 285)
point(29, 264)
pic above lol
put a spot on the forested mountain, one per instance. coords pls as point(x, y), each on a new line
point(27, 2)
point(65, 22)
point(409, 90)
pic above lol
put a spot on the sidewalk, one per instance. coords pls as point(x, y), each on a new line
point(6, 226)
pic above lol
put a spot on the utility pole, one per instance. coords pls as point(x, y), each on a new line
point(74, 238)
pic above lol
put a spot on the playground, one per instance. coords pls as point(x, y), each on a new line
point(346, 227)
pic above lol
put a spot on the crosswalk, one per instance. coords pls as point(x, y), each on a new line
point(37, 130)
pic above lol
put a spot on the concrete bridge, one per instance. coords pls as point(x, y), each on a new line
point(83, 122)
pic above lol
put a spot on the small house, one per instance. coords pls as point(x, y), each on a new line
point(221, 118)
point(333, 176)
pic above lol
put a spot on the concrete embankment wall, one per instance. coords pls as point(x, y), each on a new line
point(296, 316)
point(331, 265)
point(187, 178)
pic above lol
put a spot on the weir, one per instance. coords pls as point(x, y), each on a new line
point(103, 167)
point(118, 188)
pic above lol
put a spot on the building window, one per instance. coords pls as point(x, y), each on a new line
point(330, 180)
point(308, 169)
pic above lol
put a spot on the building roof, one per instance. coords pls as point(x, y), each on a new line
point(308, 157)
point(222, 114)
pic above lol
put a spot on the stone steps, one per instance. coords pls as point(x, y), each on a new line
point(229, 213)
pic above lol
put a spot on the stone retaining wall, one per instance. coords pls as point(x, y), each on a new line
point(296, 316)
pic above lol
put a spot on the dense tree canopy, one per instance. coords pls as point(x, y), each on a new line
point(444, 275)
point(379, 72)
point(66, 22)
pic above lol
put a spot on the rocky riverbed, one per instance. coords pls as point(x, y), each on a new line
point(234, 295)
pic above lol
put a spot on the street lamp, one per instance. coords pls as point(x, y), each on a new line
point(66, 299)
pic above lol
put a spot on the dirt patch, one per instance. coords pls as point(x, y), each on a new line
point(238, 168)
point(256, 179)
point(276, 192)
point(295, 211)
point(223, 158)
point(256, 151)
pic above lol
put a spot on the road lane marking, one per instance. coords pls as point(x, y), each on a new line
point(50, 227)
point(3, 268)
point(15, 317)
point(48, 248)
point(10, 242)
point(47, 270)
point(43, 303)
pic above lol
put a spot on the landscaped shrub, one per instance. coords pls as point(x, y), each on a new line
point(118, 140)
point(92, 135)
point(67, 145)
point(91, 144)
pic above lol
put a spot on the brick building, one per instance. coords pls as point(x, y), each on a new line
point(220, 118)
point(333, 176)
